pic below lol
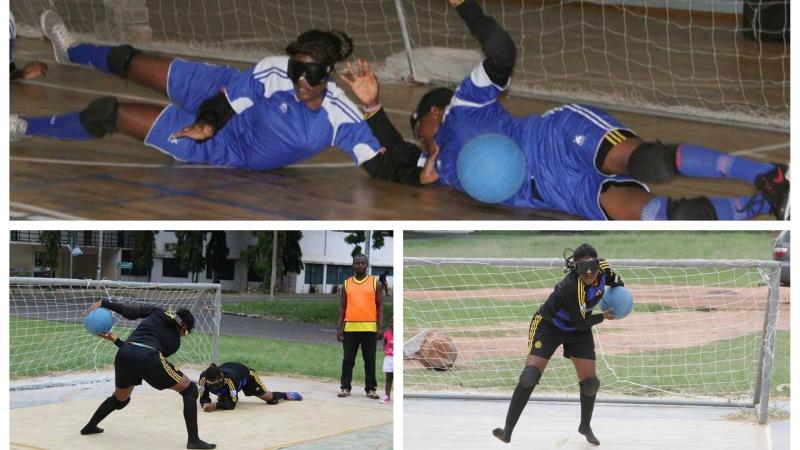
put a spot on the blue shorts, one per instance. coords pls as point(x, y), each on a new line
point(567, 140)
point(189, 83)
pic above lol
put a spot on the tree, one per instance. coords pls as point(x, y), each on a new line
point(289, 260)
point(358, 236)
point(51, 240)
point(189, 252)
point(217, 253)
point(143, 251)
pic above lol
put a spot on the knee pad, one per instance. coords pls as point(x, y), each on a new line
point(119, 59)
point(699, 208)
point(100, 117)
point(653, 162)
point(191, 392)
point(119, 404)
point(590, 386)
point(530, 377)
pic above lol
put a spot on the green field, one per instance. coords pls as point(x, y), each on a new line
point(609, 244)
point(37, 339)
point(712, 369)
point(309, 311)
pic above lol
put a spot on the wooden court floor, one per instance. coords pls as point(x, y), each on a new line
point(118, 178)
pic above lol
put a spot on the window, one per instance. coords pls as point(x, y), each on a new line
point(171, 268)
point(252, 276)
point(227, 272)
point(136, 271)
point(337, 274)
point(378, 270)
point(313, 273)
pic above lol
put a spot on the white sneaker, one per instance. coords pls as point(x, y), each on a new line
point(17, 128)
point(55, 30)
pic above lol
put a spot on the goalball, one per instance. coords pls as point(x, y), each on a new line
point(98, 321)
point(491, 168)
point(619, 300)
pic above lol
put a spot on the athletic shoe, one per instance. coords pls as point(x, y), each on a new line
point(774, 185)
point(373, 395)
point(500, 433)
point(55, 30)
point(17, 128)
point(344, 393)
point(293, 396)
point(385, 400)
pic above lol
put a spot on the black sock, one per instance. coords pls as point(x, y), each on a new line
point(190, 417)
point(105, 408)
point(279, 396)
point(518, 402)
point(587, 408)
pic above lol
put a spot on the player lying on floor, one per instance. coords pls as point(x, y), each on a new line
point(281, 111)
point(580, 160)
point(226, 380)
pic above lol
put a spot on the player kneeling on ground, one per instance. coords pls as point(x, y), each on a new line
point(226, 380)
point(144, 357)
point(566, 319)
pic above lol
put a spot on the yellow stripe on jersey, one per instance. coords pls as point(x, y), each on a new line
point(532, 330)
point(361, 326)
point(170, 371)
point(614, 137)
point(581, 297)
point(232, 389)
point(258, 380)
point(604, 265)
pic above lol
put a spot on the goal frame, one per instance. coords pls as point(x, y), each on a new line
point(90, 284)
point(770, 272)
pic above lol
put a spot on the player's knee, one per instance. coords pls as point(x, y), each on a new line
point(590, 386)
point(119, 59)
point(653, 162)
point(100, 117)
point(529, 377)
point(119, 404)
point(190, 392)
point(699, 208)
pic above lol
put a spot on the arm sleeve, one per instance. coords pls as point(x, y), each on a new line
point(262, 80)
point(119, 342)
point(356, 140)
point(204, 395)
point(501, 53)
point(129, 311)
point(215, 111)
point(612, 278)
point(398, 162)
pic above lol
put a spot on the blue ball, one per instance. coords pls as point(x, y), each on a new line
point(98, 321)
point(491, 168)
point(619, 299)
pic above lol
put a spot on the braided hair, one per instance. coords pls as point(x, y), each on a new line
point(570, 255)
point(327, 47)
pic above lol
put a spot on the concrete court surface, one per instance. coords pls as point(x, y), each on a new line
point(454, 424)
point(154, 420)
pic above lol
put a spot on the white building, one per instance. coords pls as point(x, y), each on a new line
point(326, 259)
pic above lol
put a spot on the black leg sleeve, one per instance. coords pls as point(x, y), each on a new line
point(350, 346)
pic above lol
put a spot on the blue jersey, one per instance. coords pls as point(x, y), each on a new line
point(560, 147)
point(271, 128)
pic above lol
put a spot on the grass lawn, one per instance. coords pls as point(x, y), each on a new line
point(310, 311)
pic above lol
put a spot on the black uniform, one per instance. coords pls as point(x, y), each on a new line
point(143, 355)
point(237, 377)
point(566, 317)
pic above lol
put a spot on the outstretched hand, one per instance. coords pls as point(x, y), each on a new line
point(92, 307)
point(455, 3)
point(110, 336)
point(363, 82)
point(34, 69)
point(197, 131)
point(608, 314)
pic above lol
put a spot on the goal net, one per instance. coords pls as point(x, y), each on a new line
point(700, 331)
point(688, 58)
point(51, 347)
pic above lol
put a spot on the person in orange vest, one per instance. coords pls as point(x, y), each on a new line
point(359, 320)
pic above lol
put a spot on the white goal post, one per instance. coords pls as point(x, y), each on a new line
point(680, 58)
point(702, 332)
point(50, 347)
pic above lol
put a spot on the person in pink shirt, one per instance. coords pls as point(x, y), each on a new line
point(388, 361)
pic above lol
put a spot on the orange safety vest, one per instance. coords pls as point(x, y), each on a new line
point(362, 311)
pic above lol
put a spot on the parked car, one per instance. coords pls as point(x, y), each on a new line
point(780, 252)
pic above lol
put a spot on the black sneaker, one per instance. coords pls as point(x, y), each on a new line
point(774, 185)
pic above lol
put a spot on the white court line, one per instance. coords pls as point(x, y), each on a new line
point(72, 162)
point(762, 149)
point(38, 209)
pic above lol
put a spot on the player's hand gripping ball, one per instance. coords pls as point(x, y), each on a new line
point(98, 321)
point(491, 168)
point(619, 299)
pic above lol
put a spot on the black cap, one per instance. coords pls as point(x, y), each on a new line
point(186, 318)
point(438, 97)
